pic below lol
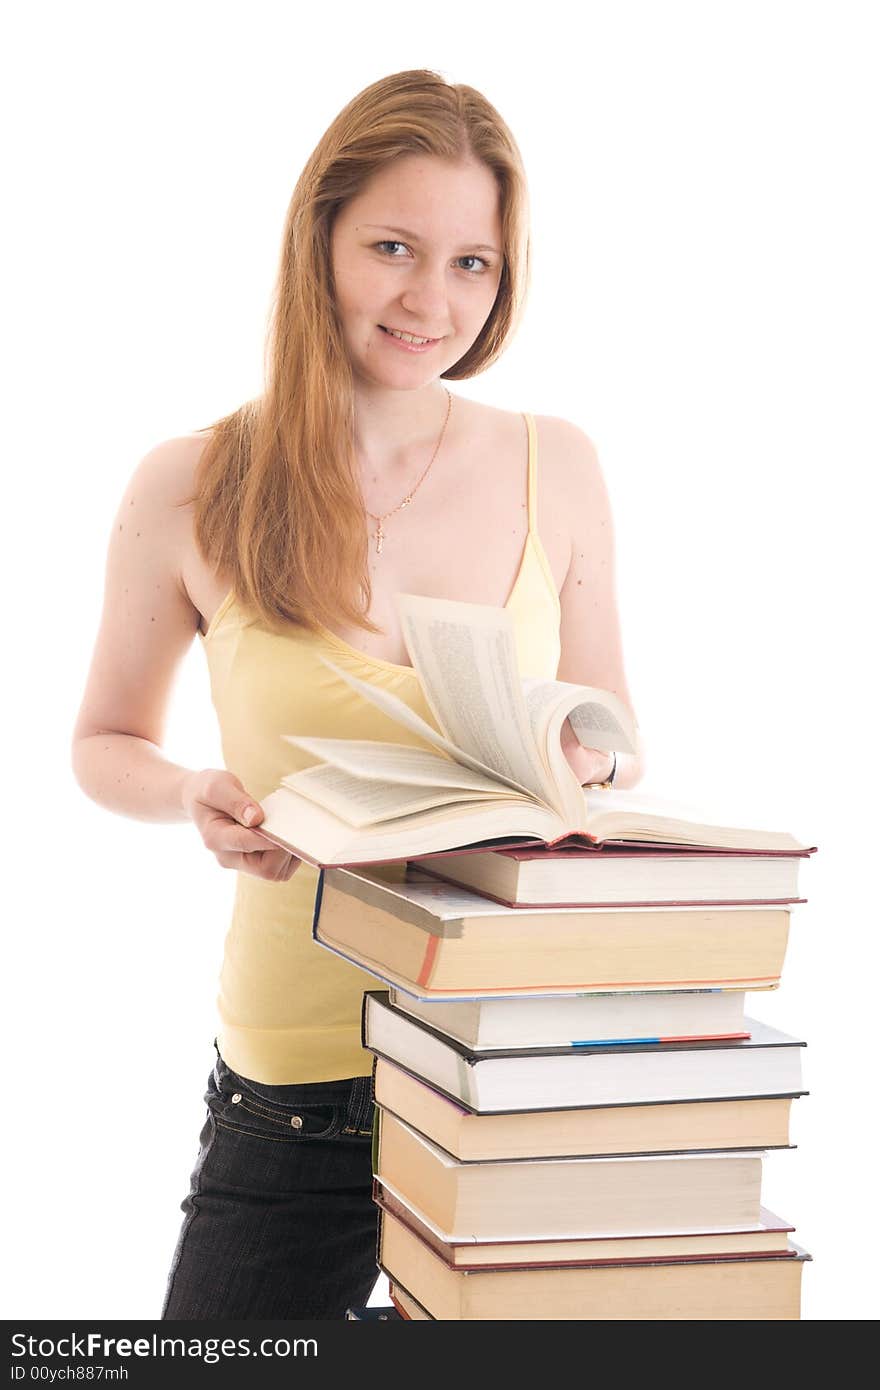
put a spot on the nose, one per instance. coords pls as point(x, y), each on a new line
point(425, 296)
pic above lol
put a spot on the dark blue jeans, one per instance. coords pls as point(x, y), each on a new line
point(279, 1219)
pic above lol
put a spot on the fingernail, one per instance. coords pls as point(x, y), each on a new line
point(250, 815)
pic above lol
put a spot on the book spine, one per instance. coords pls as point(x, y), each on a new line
point(319, 893)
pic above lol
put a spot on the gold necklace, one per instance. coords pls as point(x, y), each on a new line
point(379, 534)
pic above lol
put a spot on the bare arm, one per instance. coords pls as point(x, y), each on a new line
point(147, 624)
point(592, 645)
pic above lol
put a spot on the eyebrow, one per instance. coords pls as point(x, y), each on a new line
point(414, 236)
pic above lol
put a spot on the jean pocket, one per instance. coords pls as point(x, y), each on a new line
point(236, 1105)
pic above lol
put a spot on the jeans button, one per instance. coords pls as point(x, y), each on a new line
point(236, 1098)
point(296, 1121)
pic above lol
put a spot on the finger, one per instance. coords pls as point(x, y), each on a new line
point(267, 864)
point(221, 833)
point(224, 792)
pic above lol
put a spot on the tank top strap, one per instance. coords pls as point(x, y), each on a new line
point(533, 474)
point(534, 544)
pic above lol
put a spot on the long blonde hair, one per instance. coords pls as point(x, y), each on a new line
point(278, 506)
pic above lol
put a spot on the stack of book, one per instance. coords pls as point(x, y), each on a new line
point(572, 1103)
point(571, 1118)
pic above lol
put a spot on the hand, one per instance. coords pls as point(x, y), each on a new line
point(216, 802)
point(587, 764)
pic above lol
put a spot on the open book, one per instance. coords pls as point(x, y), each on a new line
point(495, 772)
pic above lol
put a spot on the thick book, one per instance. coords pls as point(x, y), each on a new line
point(491, 767)
point(709, 1288)
point(436, 940)
point(768, 1236)
point(742, 1122)
point(577, 1019)
point(621, 876)
point(552, 1198)
point(766, 1063)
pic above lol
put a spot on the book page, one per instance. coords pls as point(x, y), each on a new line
point(597, 725)
point(361, 802)
point(394, 762)
point(599, 719)
point(314, 833)
point(401, 713)
point(635, 816)
point(465, 655)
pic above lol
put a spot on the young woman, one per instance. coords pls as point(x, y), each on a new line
point(282, 533)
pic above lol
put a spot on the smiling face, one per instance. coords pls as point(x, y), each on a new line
point(418, 251)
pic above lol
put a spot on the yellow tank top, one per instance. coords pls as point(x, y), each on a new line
point(289, 1010)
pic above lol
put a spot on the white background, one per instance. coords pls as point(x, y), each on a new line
point(705, 305)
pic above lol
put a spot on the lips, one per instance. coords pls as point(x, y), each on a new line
point(408, 330)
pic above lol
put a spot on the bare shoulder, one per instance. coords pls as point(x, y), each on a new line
point(563, 447)
point(572, 498)
point(572, 501)
point(569, 460)
point(166, 475)
point(160, 496)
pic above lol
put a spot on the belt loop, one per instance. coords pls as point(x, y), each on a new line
point(360, 1106)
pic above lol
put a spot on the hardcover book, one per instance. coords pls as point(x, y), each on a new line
point(549, 1199)
point(574, 1020)
point(767, 1062)
point(747, 1288)
point(438, 941)
point(621, 876)
point(753, 1122)
point(768, 1236)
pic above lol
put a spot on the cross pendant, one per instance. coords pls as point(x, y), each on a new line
point(379, 538)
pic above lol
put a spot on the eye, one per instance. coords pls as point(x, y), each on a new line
point(485, 264)
point(379, 245)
